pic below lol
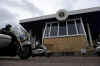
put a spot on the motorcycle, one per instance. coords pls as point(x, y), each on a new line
point(12, 44)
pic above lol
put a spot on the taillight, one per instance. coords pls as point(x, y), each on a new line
point(19, 41)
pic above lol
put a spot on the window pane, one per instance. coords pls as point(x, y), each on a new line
point(79, 27)
point(71, 28)
point(47, 30)
point(62, 28)
point(54, 29)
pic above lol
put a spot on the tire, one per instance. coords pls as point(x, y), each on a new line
point(48, 54)
point(98, 53)
point(24, 52)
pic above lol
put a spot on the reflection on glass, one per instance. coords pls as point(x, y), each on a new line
point(54, 29)
point(79, 27)
point(47, 30)
point(62, 28)
point(71, 28)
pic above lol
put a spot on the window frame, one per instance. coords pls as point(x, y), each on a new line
point(51, 29)
point(65, 29)
point(74, 26)
point(67, 35)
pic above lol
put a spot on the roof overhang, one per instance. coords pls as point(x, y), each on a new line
point(74, 12)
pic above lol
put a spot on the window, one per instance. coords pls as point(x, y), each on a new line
point(47, 30)
point(62, 28)
point(54, 29)
point(68, 28)
point(71, 28)
point(79, 27)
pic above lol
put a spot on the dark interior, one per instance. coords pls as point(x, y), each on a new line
point(93, 20)
point(37, 28)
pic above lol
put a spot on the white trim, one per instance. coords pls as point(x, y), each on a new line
point(44, 30)
point(84, 30)
point(44, 33)
point(82, 25)
point(66, 27)
point(58, 30)
point(76, 27)
point(65, 36)
point(37, 18)
point(89, 33)
point(94, 9)
point(50, 29)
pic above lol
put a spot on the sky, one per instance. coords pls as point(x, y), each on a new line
point(11, 11)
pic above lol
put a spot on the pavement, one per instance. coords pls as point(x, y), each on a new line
point(51, 61)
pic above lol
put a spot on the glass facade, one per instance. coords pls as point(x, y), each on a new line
point(54, 29)
point(79, 27)
point(71, 28)
point(62, 28)
point(66, 28)
point(47, 30)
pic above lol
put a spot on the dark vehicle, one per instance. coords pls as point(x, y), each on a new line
point(15, 41)
point(98, 48)
point(39, 49)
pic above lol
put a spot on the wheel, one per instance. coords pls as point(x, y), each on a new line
point(24, 52)
point(98, 53)
point(48, 54)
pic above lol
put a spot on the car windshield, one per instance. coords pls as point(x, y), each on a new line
point(20, 32)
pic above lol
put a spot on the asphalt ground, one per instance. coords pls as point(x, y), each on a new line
point(52, 61)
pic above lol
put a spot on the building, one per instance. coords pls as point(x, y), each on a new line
point(81, 25)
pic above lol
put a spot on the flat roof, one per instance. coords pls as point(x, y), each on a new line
point(74, 12)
